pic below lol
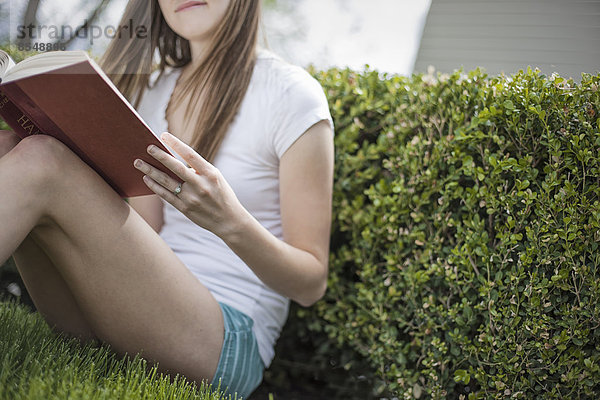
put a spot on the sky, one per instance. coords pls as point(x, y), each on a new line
point(384, 34)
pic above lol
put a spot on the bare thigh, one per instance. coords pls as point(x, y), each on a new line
point(131, 288)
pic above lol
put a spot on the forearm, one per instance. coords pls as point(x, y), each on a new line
point(290, 271)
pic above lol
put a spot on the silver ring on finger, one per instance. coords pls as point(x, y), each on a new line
point(177, 190)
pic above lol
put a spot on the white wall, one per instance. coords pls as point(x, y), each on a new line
point(507, 35)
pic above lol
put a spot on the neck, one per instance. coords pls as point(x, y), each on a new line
point(198, 49)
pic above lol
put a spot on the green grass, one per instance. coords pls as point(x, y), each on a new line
point(36, 363)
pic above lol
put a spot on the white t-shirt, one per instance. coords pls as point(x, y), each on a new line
point(281, 103)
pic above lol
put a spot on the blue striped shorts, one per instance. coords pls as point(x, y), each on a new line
point(240, 368)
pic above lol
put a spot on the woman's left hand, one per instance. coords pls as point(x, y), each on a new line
point(204, 196)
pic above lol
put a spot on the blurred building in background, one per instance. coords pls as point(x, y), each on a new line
point(560, 36)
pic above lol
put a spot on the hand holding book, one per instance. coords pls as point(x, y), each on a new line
point(206, 198)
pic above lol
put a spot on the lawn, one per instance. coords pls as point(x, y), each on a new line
point(36, 363)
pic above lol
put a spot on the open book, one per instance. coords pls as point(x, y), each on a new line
point(66, 95)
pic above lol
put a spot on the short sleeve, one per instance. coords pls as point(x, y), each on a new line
point(299, 107)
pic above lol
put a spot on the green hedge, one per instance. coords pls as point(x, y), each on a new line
point(465, 240)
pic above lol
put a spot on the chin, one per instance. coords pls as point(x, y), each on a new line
point(195, 23)
point(191, 28)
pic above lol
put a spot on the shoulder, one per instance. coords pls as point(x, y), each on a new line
point(269, 62)
point(294, 100)
point(280, 78)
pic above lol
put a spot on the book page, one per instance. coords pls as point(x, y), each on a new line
point(6, 63)
point(44, 62)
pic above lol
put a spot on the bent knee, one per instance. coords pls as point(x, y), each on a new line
point(8, 140)
point(43, 155)
point(43, 149)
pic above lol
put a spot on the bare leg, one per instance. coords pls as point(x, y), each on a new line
point(131, 288)
point(48, 290)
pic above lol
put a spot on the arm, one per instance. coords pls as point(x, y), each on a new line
point(295, 267)
point(150, 208)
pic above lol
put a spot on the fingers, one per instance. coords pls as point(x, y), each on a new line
point(171, 162)
point(186, 152)
point(159, 182)
point(201, 176)
point(163, 192)
point(157, 176)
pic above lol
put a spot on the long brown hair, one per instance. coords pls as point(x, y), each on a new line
point(222, 76)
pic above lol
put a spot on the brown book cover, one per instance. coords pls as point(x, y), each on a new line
point(78, 105)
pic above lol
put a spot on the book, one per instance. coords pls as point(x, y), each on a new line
point(65, 94)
